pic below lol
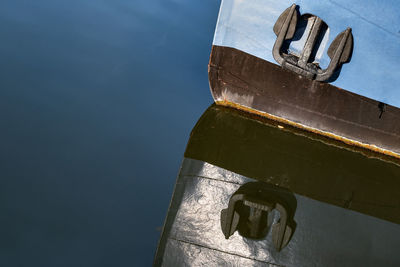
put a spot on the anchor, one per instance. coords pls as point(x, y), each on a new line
point(339, 51)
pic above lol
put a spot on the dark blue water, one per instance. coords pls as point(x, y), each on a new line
point(97, 100)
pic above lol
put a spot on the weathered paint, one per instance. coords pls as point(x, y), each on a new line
point(247, 82)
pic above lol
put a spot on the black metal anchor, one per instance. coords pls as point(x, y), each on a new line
point(339, 51)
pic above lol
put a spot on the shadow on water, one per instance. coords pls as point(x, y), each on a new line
point(304, 163)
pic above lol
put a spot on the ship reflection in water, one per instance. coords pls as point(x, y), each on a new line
point(251, 192)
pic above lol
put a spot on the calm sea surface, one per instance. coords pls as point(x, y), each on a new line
point(97, 100)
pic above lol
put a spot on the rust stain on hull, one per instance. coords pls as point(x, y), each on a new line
point(303, 127)
point(251, 84)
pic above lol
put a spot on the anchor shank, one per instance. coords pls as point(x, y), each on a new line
point(312, 38)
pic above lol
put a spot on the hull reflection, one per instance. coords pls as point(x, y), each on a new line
point(347, 210)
